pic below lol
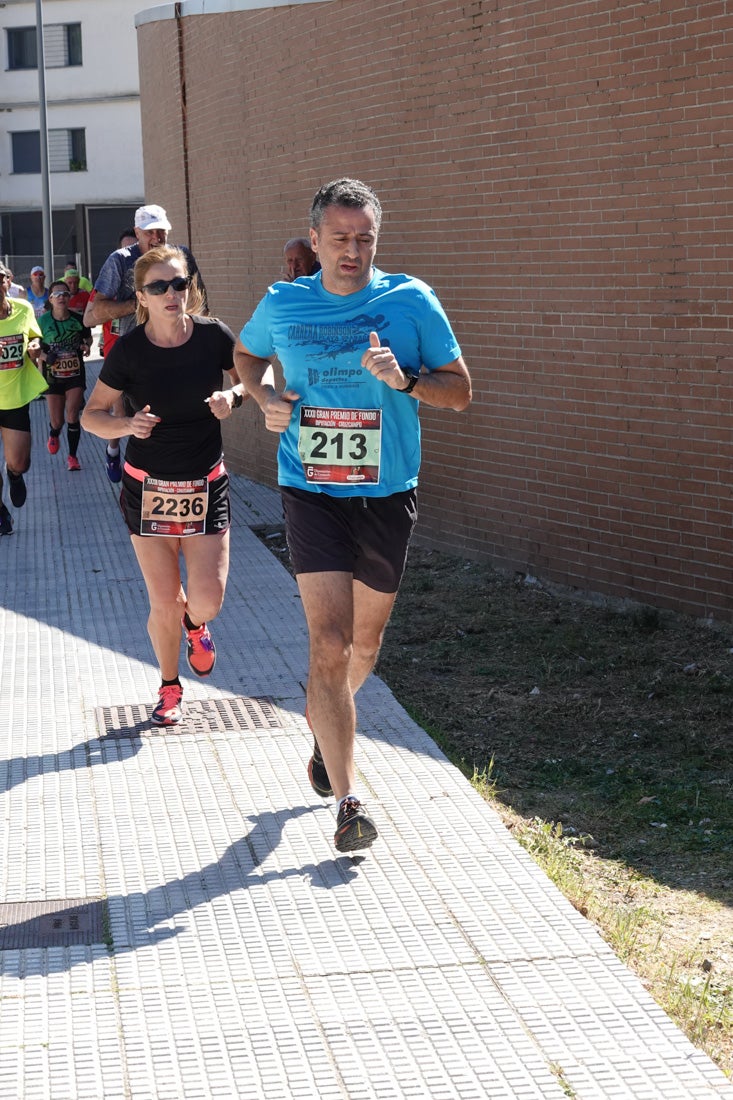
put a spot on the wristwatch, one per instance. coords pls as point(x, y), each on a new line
point(412, 379)
point(237, 400)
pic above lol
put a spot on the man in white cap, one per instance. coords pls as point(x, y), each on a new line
point(114, 291)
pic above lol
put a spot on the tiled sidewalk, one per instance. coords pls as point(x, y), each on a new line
point(174, 919)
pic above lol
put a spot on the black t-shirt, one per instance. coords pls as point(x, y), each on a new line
point(175, 382)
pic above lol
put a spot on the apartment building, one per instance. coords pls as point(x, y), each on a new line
point(93, 122)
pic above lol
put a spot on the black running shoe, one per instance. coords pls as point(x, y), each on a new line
point(317, 774)
point(17, 489)
point(354, 828)
point(6, 521)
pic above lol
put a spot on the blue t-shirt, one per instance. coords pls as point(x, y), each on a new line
point(38, 301)
point(319, 339)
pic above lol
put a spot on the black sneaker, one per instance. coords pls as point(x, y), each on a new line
point(354, 828)
point(317, 774)
point(17, 489)
point(6, 521)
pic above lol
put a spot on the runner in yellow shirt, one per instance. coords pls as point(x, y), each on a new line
point(20, 383)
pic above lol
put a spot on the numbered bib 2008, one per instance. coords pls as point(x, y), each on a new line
point(340, 446)
point(174, 508)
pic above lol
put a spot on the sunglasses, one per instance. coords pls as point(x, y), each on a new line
point(160, 286)
point(60, 294)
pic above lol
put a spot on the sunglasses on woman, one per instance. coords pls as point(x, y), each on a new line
point(160, 286)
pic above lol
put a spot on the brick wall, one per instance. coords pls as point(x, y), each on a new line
point(560, 172)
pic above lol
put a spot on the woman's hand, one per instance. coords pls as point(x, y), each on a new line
point(221, 402)
point(142, 423)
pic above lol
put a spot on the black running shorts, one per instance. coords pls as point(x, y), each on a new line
point(59, 386)
point(365, 536)
point(217, 515)
point(18, 420)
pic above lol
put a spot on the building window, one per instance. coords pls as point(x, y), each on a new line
point(62, 45)
point(67, 151)
point(26, 152)
point(22, 48)
point(61, 41)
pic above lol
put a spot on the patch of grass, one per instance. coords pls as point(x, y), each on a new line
point(485, 781)
point(556, 854)
point(107, 939)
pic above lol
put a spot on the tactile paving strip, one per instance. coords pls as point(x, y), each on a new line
point(65, 922)
point(238, 714)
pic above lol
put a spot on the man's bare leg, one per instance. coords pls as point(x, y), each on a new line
point(346, 621)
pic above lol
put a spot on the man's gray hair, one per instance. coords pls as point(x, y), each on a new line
point(304, 241)
point(344, 192)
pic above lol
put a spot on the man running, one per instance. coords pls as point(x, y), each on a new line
point(359, 350)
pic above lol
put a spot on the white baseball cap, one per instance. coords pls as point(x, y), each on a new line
point(151, 217)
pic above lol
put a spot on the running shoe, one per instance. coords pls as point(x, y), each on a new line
point(52, 445)
point(114, 468)
point(354, 828)
point(73, 463)
point(17, 489)
point(200, 650)
point(317, 774)
point(167, 711)
point(6, 521)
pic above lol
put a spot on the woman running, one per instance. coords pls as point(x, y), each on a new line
point(66, 342)
point(175, 488)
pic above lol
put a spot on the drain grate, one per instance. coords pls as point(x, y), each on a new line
point(236, 714)
point(66, 922)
